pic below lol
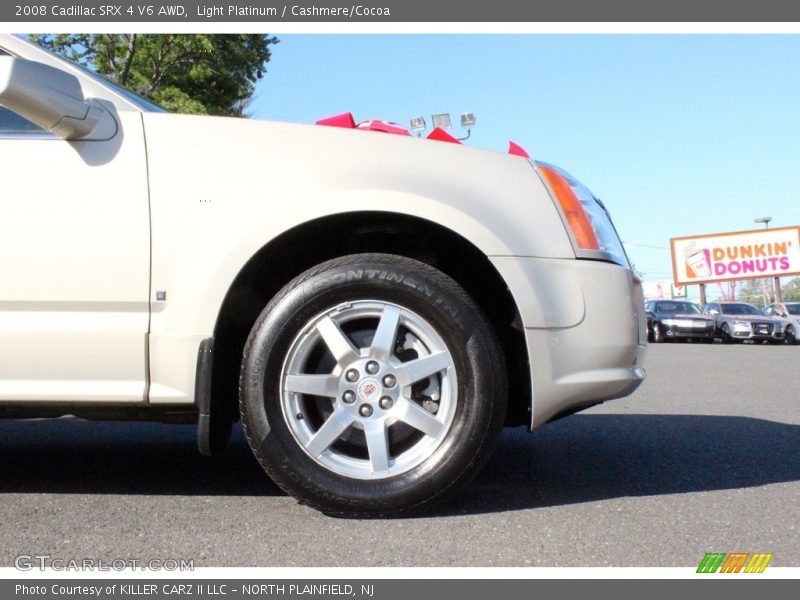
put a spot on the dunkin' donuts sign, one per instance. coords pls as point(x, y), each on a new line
point(738, 255)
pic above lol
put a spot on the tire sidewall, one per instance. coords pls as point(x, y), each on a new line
point(657, 336)
point(477, 419)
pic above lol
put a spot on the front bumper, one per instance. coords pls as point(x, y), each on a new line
point(757, 337)
point(680, 332)
point(585, 329)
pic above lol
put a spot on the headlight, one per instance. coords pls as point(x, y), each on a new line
point(741, 325)
point(590, 224)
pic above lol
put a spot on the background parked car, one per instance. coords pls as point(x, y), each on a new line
point(737, 322)
point(673, 319)
point(790, 311)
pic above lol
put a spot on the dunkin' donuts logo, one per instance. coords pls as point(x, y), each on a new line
point(738, 255)
point(727, 261)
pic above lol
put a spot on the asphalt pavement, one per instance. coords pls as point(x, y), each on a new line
point(703, 457)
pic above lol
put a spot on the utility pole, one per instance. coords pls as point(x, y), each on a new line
point(776, 280)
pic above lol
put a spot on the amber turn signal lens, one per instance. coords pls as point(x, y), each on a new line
point(577, 218)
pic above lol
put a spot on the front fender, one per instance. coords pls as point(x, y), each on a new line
point(221, 189)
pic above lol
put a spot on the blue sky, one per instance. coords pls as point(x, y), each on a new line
point(678, 135)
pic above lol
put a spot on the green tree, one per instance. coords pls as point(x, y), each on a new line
point(752, 292)
point(200, 74)
point(791, 291)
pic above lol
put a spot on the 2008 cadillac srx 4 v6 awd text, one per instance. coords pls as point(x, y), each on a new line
point(373, 307)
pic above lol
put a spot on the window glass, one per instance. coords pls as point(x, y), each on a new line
point(676, 307)
point(11, 122)
point(740, 309)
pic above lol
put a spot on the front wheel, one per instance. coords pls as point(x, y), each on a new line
point(790, 335)
point(725, 334)
point(372, 385)
point(656, 336)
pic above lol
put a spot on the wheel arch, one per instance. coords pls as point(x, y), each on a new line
point(310, 243)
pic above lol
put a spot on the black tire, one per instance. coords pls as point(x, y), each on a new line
point(477, 358)
point(790, 335)
point(725, 334)
point(656, 336)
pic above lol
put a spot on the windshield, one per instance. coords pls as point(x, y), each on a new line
point(676, 307)
point(793, 309)
point(740, 309)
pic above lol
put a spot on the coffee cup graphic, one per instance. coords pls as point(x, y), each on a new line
point(698, 262)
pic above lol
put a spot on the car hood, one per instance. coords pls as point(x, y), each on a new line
point(752, 318)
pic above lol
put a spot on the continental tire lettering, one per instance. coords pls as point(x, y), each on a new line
point(396, 277)
point(355, 274)
point(420, 286)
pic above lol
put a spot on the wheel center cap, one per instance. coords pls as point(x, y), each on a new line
point(369, 389)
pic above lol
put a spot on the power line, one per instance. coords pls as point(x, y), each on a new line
point(638, 245)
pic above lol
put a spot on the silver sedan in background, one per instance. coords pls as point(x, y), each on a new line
point(738, 322)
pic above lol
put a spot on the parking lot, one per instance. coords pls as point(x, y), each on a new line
point(703, 457)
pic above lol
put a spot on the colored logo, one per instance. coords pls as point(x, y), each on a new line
point(679, 291)
point(369, 389)
point(736, 562)
point(736, 255)
point(729, 261)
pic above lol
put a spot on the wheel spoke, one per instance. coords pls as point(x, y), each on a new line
point(386, 333)
point(341, 348)
point(331, 429)
point(413, 371)
point(368, 389)
point(315, 385)
point(417, 417)
point(377, 444)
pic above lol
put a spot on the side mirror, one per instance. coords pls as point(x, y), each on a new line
point(50, 98)
point(713, 312)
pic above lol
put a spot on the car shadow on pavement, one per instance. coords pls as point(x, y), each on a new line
point(582, 458)
point(70, 455)
point(585, 458)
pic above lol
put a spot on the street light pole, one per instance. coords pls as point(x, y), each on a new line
point(777, 280)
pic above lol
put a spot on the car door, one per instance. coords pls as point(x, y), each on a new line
point(75, 247)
